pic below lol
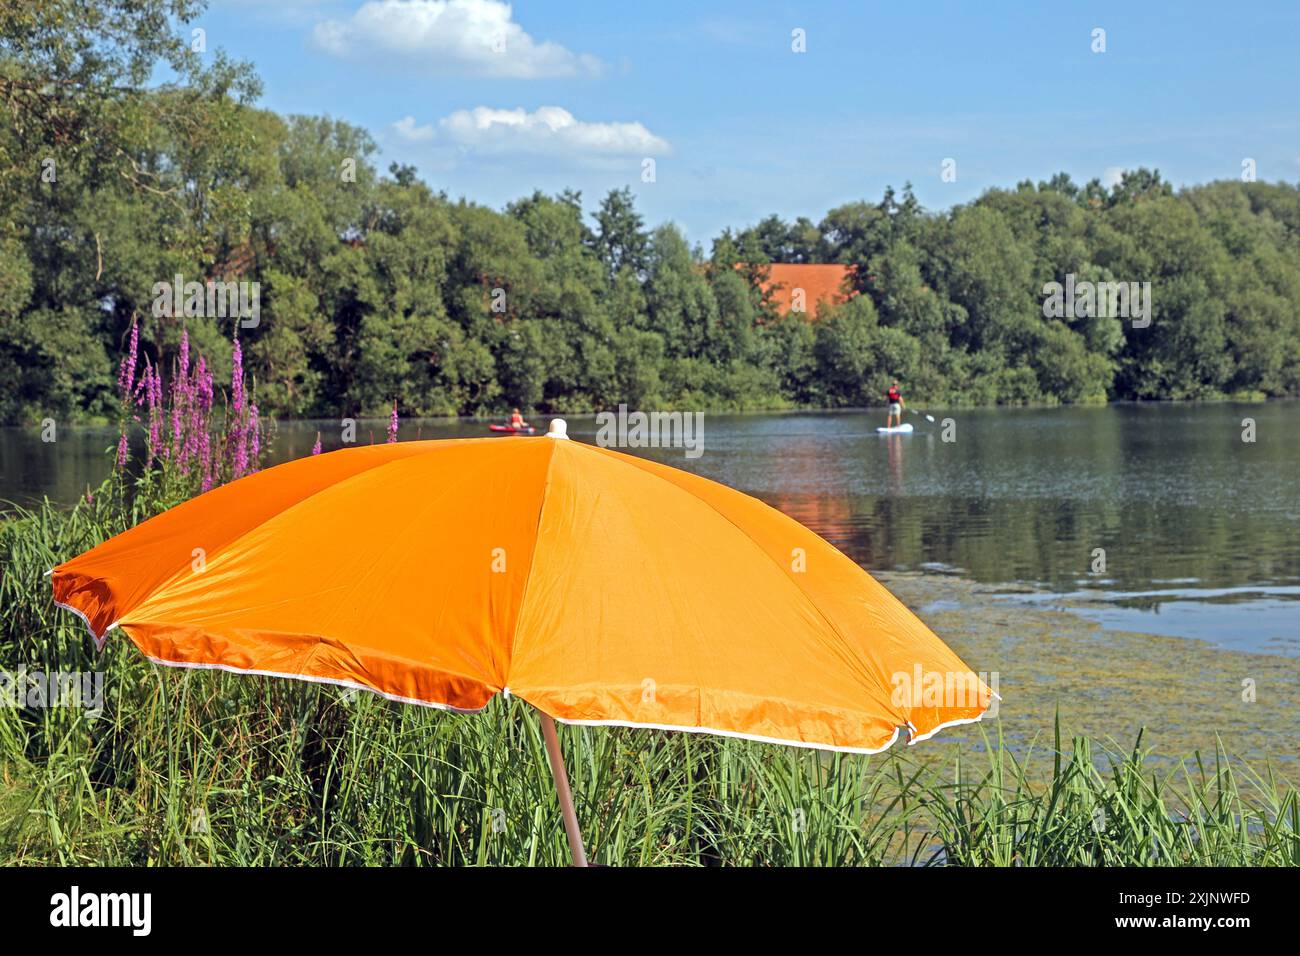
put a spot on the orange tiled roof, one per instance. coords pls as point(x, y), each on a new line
point(820, 284)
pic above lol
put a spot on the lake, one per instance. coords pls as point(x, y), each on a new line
point(1197, 526)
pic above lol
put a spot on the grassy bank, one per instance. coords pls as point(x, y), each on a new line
point(185, 767)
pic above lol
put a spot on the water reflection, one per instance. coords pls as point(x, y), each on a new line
point(1180, 505)
point(894, 453)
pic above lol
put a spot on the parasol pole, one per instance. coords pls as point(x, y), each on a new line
point(562, 789)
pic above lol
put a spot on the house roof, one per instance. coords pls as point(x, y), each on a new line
point(819, 284)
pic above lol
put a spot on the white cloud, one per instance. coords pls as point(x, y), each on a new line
point(407, 130)
point(1112, 176)
point(476, 37)
point(549, 129)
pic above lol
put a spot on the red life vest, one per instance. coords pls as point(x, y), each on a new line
point(894, 395)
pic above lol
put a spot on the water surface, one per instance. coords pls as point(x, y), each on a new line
point(1198, 528)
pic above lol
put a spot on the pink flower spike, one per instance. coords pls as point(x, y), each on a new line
point(203, 385)
point(392, 424)
point(177, 405)
point(126, 371)
point(154, 390)
point(237, 380)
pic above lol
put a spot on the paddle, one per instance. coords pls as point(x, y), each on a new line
point(928, 418)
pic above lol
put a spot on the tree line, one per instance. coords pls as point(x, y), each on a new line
point(375, 287)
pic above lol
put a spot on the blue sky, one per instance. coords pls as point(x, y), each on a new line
point(490, 100)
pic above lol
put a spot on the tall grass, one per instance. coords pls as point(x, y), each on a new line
point(1128, 815)
point(205, 768)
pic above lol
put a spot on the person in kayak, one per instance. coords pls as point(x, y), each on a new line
point(517, 420)
point(895, 398)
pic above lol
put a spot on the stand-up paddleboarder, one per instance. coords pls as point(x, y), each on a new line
point(895, 398)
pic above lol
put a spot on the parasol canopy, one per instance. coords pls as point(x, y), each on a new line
point(601, 588)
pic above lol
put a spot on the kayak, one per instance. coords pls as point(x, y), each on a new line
point(511, 430)
point(897, 429)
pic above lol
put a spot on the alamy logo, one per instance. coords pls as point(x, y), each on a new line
point(928, 689)
point(651, 430)
point(43, 689)
point(1104, 300)
point(209, 300)
point(74, 908)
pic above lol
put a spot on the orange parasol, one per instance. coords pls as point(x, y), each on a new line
point(602, 588)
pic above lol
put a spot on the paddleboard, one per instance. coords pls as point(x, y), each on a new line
point(511, 431)
point(897, 429)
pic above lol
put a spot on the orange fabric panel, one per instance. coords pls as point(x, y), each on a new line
point(875, 633)
point(118, 574)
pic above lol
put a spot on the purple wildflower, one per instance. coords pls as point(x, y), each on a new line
point(203, 405)
point(181, 394)
point(178, 407)
point(239, 454)
point(190, 447)
point(237, 380)
point(315, 449)
point(153, 389)
point(203, 379)
point(392, 424)
point(235, 439)
point(126, 371)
